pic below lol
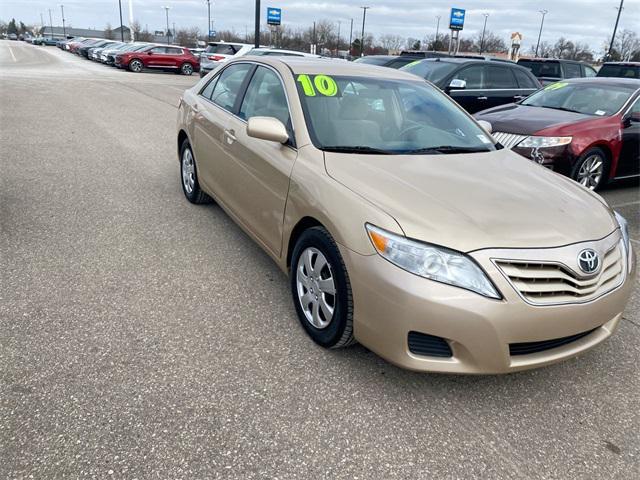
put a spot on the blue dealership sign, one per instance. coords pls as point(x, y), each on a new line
point(274, 16)
point(457, 19)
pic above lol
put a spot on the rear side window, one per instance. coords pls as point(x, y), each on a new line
point(228, 86)
point(208, 90)
point(621, 71)
point(158, 50)
point(223, 48)
point(524, 80)
point(174, 51)
point(572, 70)
point(588, 71)
point(474, 76)
point(500, 77)
point(401, 62)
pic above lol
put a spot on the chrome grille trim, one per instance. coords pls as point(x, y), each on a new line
point(508, 140)
point(544, 283)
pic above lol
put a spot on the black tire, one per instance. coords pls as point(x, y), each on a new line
point(136, 65)
point(581, 165)
point(196, 195)
point(339, 332)
point(186, 69)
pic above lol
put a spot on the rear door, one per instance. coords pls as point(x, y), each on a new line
point(258, 169)
point(473, 97)
point(629, 160)
point(174, 57)
point(215, 107)
point(155, 57)
point(501, 85)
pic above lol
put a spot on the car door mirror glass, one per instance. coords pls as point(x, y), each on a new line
point(267, 128)
point(457, 84)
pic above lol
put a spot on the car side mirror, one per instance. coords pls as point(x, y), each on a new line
point(457, 84)
point(267, 128)
point(486, 126)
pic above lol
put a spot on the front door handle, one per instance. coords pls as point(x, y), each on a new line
point(230, 136)
point(482, 98)
point(519, 97)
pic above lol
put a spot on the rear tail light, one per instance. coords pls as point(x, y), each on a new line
point(215, 58)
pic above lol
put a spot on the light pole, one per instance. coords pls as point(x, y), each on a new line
point(209, 18)
point(257, 26)
point(350, 37)
point(64, 28)
point(486, 15)
point(166, 9)
point(435, 45)
point(613, 37)
point(121, 27)
point(51, 23)
point(364, 17)
point(338, 41)
point(543, 12)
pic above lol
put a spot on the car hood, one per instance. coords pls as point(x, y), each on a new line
point(474, 201)
point(526, 120)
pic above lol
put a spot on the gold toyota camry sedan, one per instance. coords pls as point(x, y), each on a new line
point(401, 222)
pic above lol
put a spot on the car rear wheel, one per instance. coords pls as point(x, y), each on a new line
point(321, 290)
point(189, 176)
point(592, 169)
point(135, 66)
point(186, 69)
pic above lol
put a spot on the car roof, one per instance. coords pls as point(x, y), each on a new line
point(610, 81)
point(323, 66)
point(625, 64)
point(551, 60)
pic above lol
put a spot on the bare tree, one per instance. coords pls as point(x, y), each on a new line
point(391, 43)
point(492, 43)
point(108, 32)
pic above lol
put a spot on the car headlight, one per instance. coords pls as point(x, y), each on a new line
point(432, 262)
point(544, 142)
point(624, 229)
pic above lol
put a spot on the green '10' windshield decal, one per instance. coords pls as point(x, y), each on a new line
point(322, 84)
point(556, 86)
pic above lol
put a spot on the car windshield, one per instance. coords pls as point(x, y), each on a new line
point(373, 115)
point(432, 70)
point(589, 99)
point(542, 69)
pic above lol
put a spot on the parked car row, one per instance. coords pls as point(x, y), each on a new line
point(135, 56)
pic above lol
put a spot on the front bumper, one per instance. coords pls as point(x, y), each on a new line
point(559, 159)
point(390, 302)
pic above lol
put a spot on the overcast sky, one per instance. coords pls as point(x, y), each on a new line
point(588, 21)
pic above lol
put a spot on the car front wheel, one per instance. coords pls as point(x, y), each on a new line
point(321, 289)
point(592, 169)
point(135, 66)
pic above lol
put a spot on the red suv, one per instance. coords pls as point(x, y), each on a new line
point(177, 59)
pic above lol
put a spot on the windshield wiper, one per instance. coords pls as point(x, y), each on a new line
point(356, 149)
point(445, 149)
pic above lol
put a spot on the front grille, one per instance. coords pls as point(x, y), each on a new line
point(508, 140)
point(543, 283)
point(527, 348)
point(428, 345)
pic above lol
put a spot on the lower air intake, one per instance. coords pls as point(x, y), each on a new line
point(429, 345)
point(534, 347)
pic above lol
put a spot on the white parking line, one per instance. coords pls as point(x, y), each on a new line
point(12, 55)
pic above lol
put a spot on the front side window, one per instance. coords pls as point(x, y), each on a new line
point(265, 97)
point(589, 99)
point(524, 80)
point(373, 115)
point(228, 85)
point(474, 76)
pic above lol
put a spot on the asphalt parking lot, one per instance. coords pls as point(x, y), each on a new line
point(146, 337)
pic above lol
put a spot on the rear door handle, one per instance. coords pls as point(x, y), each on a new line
point(482, 98)
point(195, 108)
point(230, 135)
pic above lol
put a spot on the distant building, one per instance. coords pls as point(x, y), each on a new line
point(58, 32)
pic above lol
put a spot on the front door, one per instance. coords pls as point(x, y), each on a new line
point(259, 170)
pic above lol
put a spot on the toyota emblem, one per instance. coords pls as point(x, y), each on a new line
point(589, 261)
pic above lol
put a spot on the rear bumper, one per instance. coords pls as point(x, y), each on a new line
point(482, 333)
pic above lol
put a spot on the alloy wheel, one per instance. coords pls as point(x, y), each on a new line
point(188, 171)
point(187, 69)
point(590, 172)
point(316, 288)
point(136, 66)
